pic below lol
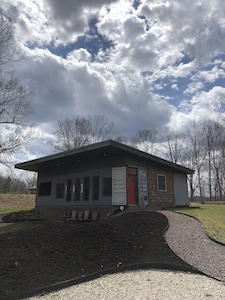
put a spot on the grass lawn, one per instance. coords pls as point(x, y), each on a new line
point(6, 210)
point(13, 203)
point(212, 216)
point(10, 227)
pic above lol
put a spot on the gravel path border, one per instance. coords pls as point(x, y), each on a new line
point(187, 238)
point(143, 285)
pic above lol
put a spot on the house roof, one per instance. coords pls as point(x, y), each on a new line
point(95, 151)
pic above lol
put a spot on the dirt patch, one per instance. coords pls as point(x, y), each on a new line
point(50, 253)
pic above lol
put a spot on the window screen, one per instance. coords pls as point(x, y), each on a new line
point(45, 189)
point(86, 188)
point(107, 186)
point(95, 188)
point(59, 190)
point(77, 189)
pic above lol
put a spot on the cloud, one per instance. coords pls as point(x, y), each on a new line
point(210, 102)
point(71, 18)
point(209, 76)
point(146, 66)
point(79, 55)
point(204, 105)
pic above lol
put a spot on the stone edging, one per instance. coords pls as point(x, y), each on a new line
point(96, 275)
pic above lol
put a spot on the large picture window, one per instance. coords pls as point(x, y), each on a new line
point(69, 190)
point(161, 181)
point(95, 188)
point(107, 186)
point(77, 189)
point(86, 188)
point(45, 189)
point(60, 190)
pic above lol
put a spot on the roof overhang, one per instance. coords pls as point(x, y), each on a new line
point(92, 152)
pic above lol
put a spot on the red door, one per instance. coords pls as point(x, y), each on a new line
point(131, 189)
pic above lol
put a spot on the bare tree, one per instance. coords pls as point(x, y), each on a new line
point(101, 128)
point(146, 139)
point(121, 139)
point(71, 134)
point(15, 104)
point(211, 146)
point(217, 159)
point(174, 143)
point(79, 131)
point(196, 152)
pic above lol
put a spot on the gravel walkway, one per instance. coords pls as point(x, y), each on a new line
point(187, 238)
point(143, 285)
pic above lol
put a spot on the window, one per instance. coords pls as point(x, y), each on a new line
point(77, 189)
point(95, 188)
point(161, 182)
point(59, 190)
point(69, 190)
point(107, 186)
point(86, 188)
point(45, 189)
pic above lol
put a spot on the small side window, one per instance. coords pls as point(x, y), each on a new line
point(161, 181)
point(45, 189)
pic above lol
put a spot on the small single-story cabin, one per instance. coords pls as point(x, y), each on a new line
point(104, 176)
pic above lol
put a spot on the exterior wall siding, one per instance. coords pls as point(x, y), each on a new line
point(161, 198)
point(181, 189)
point(53, 201)
point(103, 169)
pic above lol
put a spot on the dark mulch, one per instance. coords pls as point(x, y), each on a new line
point(50, 253)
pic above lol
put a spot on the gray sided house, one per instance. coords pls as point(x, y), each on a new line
point(104, 176)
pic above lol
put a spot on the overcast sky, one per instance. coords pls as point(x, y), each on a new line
point(143, 64)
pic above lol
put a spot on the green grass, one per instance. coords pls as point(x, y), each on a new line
point(9, 227)
point(212, 217)
point(6, 210)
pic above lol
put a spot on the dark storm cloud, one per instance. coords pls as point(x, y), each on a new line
point(72, 17)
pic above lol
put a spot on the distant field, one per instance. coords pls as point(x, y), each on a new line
point(211, 215)
point(17, 201)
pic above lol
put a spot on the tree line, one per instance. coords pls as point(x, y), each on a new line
point(15, 185)
point(200, 147)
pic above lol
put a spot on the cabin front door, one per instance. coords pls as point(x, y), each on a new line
point(131, 189)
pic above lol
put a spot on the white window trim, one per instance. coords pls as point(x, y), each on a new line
point(81, 188)
point(158, 183)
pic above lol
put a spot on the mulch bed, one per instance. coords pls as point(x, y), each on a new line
point(49, 253)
